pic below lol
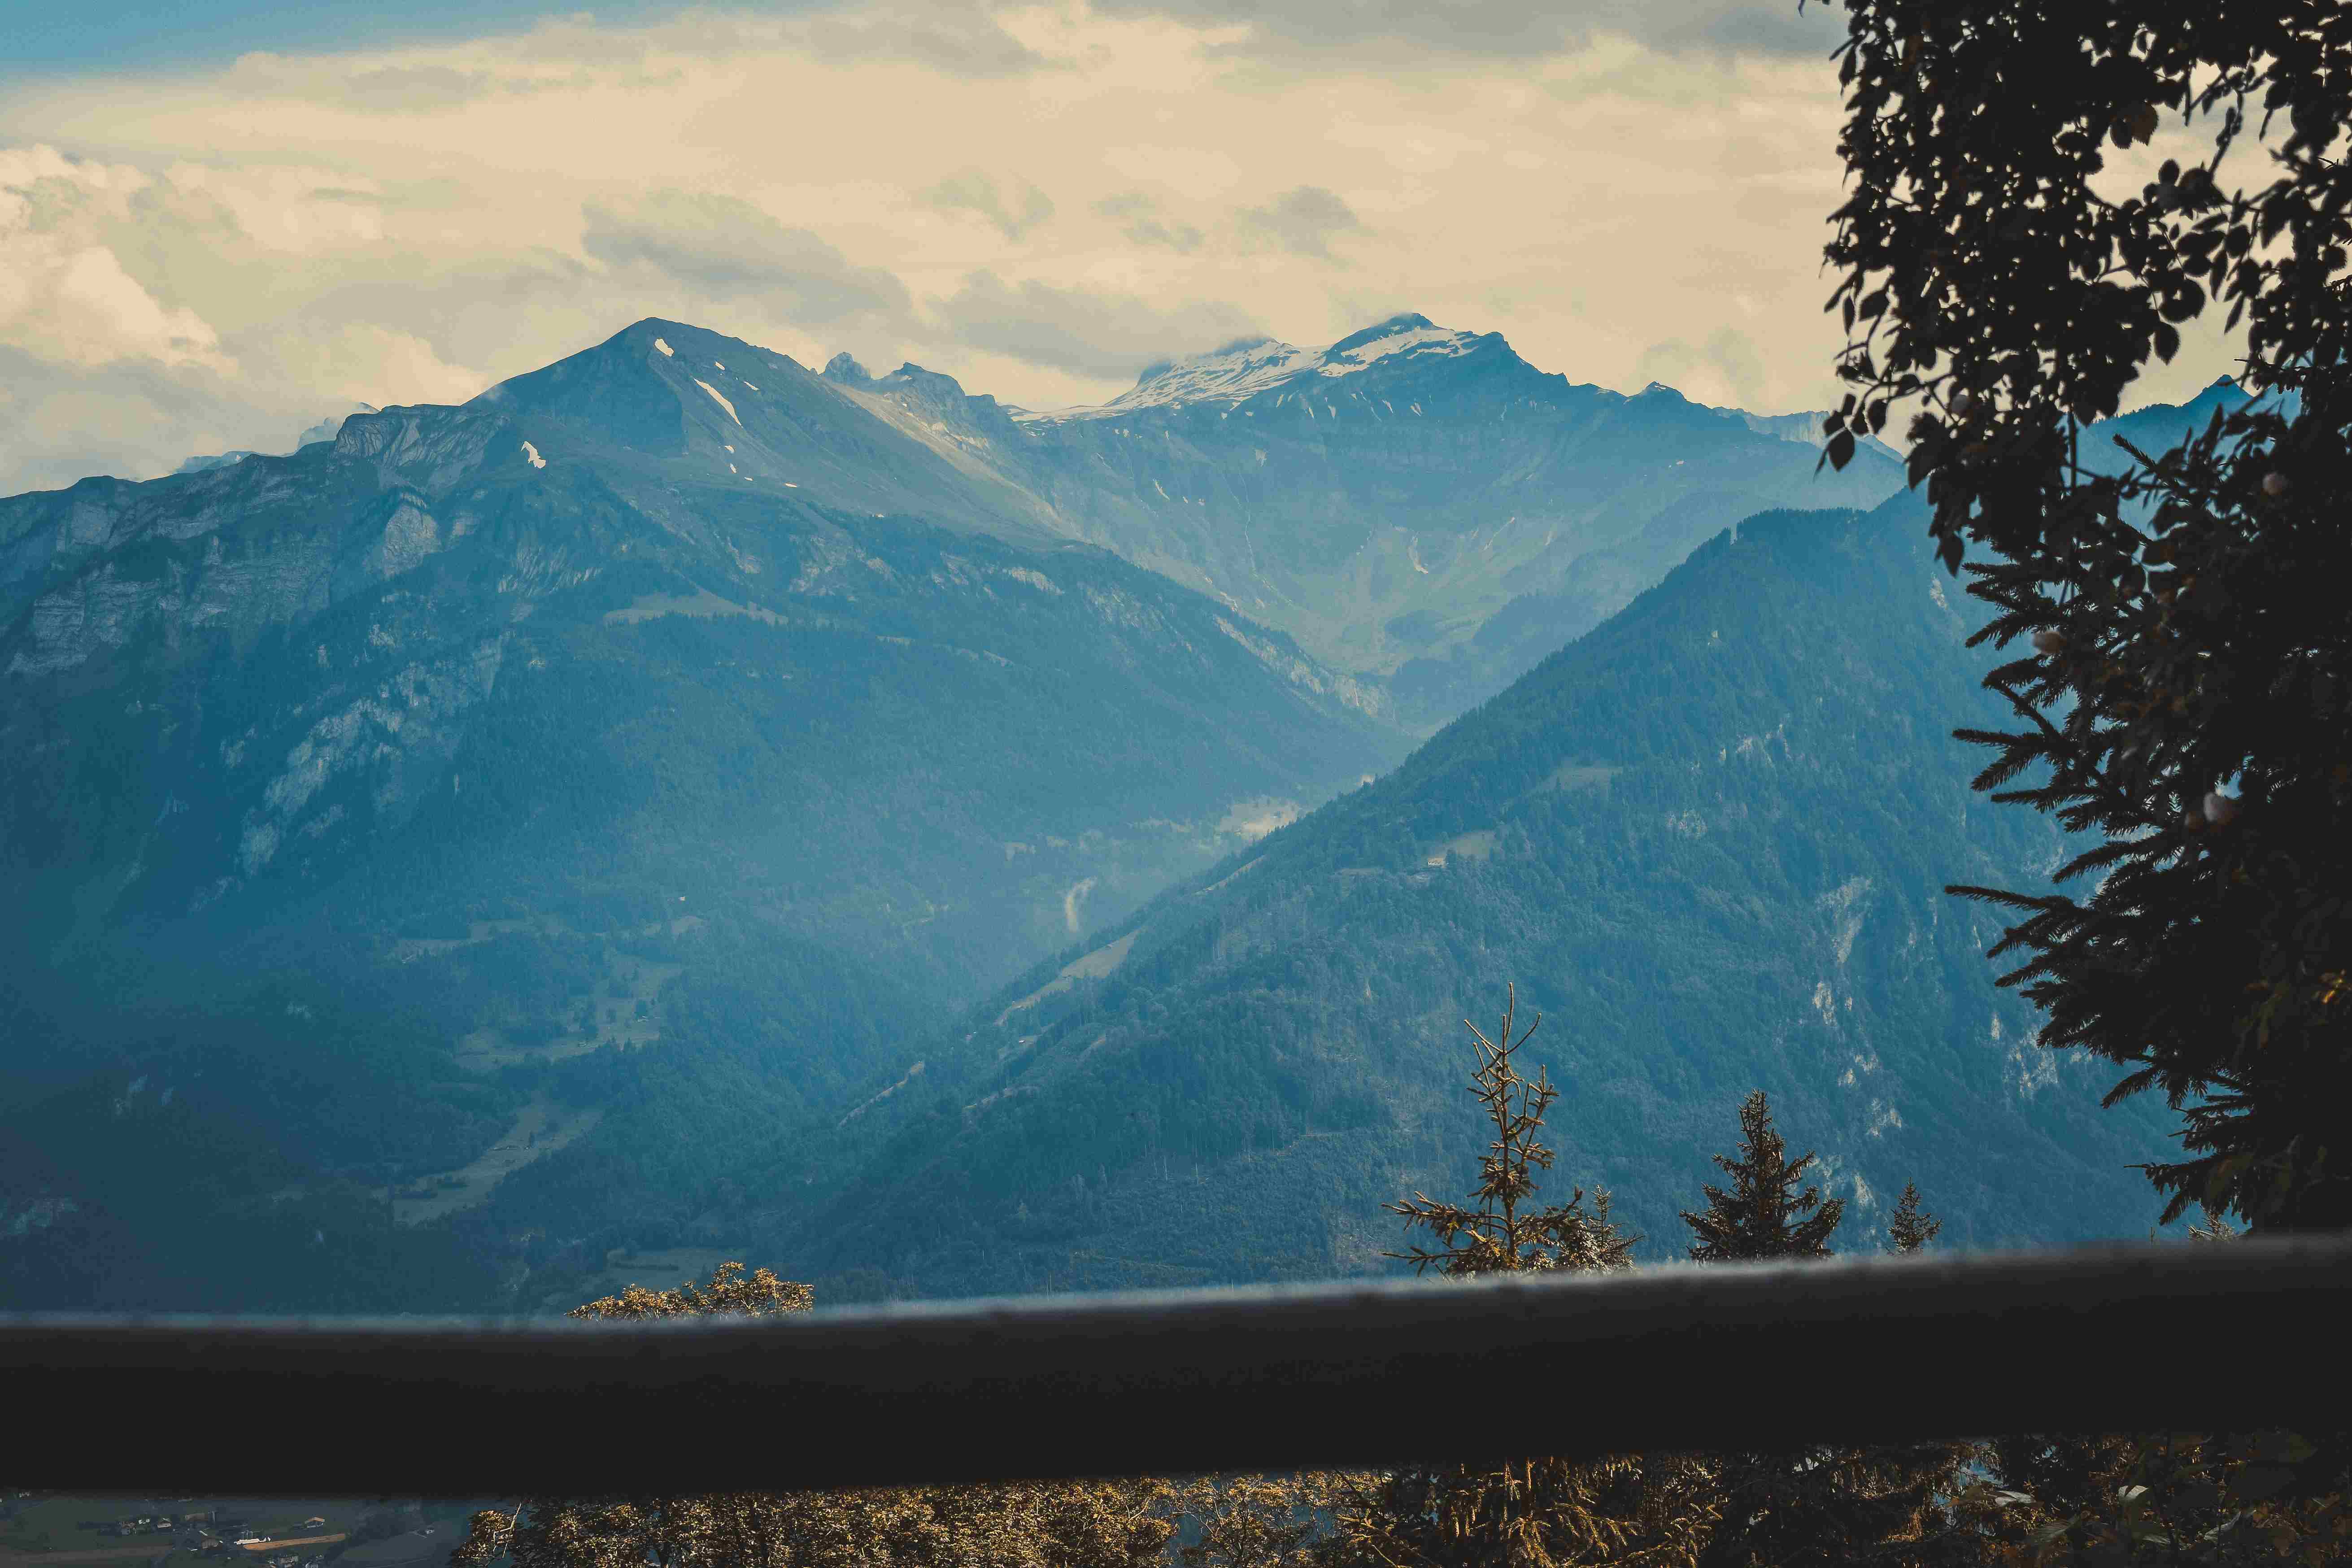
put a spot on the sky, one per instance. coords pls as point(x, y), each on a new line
point(221, 223)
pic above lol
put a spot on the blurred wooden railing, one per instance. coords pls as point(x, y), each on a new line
point(2224, 1335)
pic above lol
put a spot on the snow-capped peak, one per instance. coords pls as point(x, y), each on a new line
point(1248, 366)
point(1404, 334)
point(1225, 376)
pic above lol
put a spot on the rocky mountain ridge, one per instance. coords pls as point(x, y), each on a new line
point(535, 732)
point(1415, 504)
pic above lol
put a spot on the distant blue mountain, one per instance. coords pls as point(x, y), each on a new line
point(1411, 502)
point(1708, 841)
point(324, 430)
point(658, 738)
point(487, 836)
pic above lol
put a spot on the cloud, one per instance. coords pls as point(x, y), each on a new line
point(729, 249)
point(973, 192)
point(1303, 222)
point(131, 418)
point(1615, 184)
point(363, 362)
point(959, 40)
point(414, 90)
point(302, 210)
point(1105, 336)
point(1140, 221)
point(65, 294)
point(1412, 31)
point(1726, 369)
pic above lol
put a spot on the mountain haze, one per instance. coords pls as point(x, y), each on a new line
point(1708, 841)
point(1411, 502)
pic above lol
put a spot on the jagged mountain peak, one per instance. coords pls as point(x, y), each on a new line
point(322, 430)
point(1403, 321)
point(647, 384)
point(1406, 335)
point(1228, 375)
point(909, 373)
point(1247, 366)
point(699, 407)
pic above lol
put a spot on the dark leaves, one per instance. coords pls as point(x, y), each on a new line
point(2066, 297)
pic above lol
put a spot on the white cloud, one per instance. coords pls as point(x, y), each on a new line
point(973, 191)
point(97, 314)
point(64, 294)
point(363, 363)
point(1724, 370)
point(1038, 199)
point(1084, 332)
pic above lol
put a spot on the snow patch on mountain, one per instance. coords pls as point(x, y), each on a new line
point(1407, 334)
point(1245, 368)
point(719, 398)
point(1231, 373)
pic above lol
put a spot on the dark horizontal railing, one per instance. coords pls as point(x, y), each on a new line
point(2115, 1338)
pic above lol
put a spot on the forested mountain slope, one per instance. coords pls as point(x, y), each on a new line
point(1708, 841)
point(349, 799)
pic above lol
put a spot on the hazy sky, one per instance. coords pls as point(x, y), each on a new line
point(214, 231)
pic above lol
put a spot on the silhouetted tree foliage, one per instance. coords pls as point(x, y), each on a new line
point(2172, 1498)
point(2198, 683)
point(2185, 687)
point(730, 1292)
point(1763, 1216)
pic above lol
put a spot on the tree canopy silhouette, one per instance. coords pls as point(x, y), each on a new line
point(2186, 689)
point(1047, 1525)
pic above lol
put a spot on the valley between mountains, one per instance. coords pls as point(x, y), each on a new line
point(684, 800)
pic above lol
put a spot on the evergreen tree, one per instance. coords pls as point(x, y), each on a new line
point(1538, 1512)
point(2187, 692)
point(1818, 1505)
point(1763, 1216)
point(1911, 1227)
point(1496, 1236)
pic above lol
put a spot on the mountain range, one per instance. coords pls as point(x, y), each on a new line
point(608, 814)
point(1411, 503)
point(564, 723)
